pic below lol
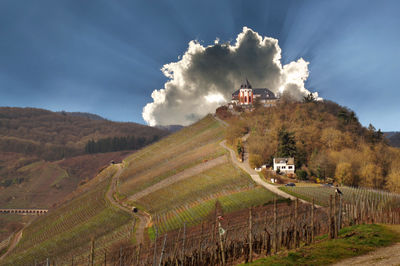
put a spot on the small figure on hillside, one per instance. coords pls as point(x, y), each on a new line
point(338, 191)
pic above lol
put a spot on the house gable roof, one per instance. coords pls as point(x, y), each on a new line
point(264, 93)
point(289, 160)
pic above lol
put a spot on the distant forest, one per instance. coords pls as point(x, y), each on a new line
point(118, 144)
point(393, 138)
point(56, 135)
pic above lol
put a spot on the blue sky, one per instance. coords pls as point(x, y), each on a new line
point(105, 57)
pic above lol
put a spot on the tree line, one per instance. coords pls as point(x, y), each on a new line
point(111, 144)
point(54, 136)
point(326, 140)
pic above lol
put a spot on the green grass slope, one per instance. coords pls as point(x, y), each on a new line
point(353, 241)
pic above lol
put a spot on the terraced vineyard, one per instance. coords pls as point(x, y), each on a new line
point(173, 154)
point(102, 243)
point(69, 229)
point(178, 180)
point(187, 200)
point(193, 213)
point(193, 199)
point(223, 177)
point(376, 198)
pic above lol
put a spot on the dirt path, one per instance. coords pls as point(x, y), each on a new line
point(144, 217)
point(113, 188)
point(220, 120)
point(13, 243)
point(254, 175)
point(382, 256)
point(178, 177)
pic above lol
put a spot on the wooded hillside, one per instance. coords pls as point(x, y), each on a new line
point(394, 139)
point(53, 136)
point(326, 139)
point(42, 155)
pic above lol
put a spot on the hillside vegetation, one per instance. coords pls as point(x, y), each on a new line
point(353, 241)
point(326, 139)
point(394, 139)
point(43, 157)
point(177, 180)
point(189, 200)
point(53, 136)
point(68, 230)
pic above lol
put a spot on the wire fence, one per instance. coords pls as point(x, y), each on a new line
point(240, 236)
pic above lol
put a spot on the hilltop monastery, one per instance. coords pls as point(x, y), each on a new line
point(246, 96)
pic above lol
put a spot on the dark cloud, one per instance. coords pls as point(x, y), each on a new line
point(205, 77)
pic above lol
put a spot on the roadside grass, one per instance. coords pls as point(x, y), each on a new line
point(353, 241)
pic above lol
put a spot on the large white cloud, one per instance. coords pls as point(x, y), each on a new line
point(206, 76)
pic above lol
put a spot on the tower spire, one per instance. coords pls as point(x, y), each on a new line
point(248, 85)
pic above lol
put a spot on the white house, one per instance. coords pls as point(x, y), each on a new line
point(285, 165)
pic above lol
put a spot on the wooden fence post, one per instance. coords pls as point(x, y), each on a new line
point(312, 221)
point(275, 228)
point(162, 250)
point(250, 237)
point(155, 246)
point(340, 213)
point(92, 252)
point(221, 244)
point(296, 209)
point(183, 244)
point(330, 216)
point(201, 242)
point(265, 231)
point(175, 255)
point(335, 227)
point(105, 257)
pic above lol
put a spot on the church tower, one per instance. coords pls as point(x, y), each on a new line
point(246, 93)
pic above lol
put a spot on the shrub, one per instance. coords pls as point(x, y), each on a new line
point(255, 160)
point(301, 174)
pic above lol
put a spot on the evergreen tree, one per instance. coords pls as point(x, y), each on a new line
point(118, 144)
point(286, 144)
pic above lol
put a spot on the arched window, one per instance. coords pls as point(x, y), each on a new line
point(245, 99)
